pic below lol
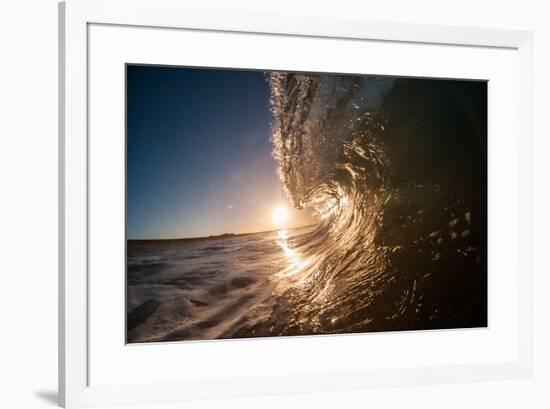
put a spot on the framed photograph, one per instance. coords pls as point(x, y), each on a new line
point(259, 204)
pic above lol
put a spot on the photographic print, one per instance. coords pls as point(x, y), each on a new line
point(273, 203)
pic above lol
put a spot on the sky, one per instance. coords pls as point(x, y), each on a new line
point(199, 156)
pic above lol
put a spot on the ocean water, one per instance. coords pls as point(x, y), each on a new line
point(212, 288)
point(395, 170)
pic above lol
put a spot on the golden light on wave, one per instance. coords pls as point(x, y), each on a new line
point(280, 216)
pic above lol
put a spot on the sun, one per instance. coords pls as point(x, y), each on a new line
point(280, 216)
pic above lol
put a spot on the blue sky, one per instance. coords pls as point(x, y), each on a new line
point(198, 153)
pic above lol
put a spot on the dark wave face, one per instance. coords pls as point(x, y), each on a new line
point(395, 170)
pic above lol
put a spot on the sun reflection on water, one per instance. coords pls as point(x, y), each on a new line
point(295, 261)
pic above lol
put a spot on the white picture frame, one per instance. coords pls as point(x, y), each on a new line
point(75, 19)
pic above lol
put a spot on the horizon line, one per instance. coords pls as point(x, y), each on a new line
point(219, 236)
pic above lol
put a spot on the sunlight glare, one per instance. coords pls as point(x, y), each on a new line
point(280, 216)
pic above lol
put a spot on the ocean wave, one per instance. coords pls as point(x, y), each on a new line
point(395, 171)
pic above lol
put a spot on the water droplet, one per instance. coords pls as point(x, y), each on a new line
point(453, 223)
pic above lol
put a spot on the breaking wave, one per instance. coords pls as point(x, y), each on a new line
point(395, 170)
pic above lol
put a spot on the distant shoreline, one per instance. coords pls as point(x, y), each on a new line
point(206, 238)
